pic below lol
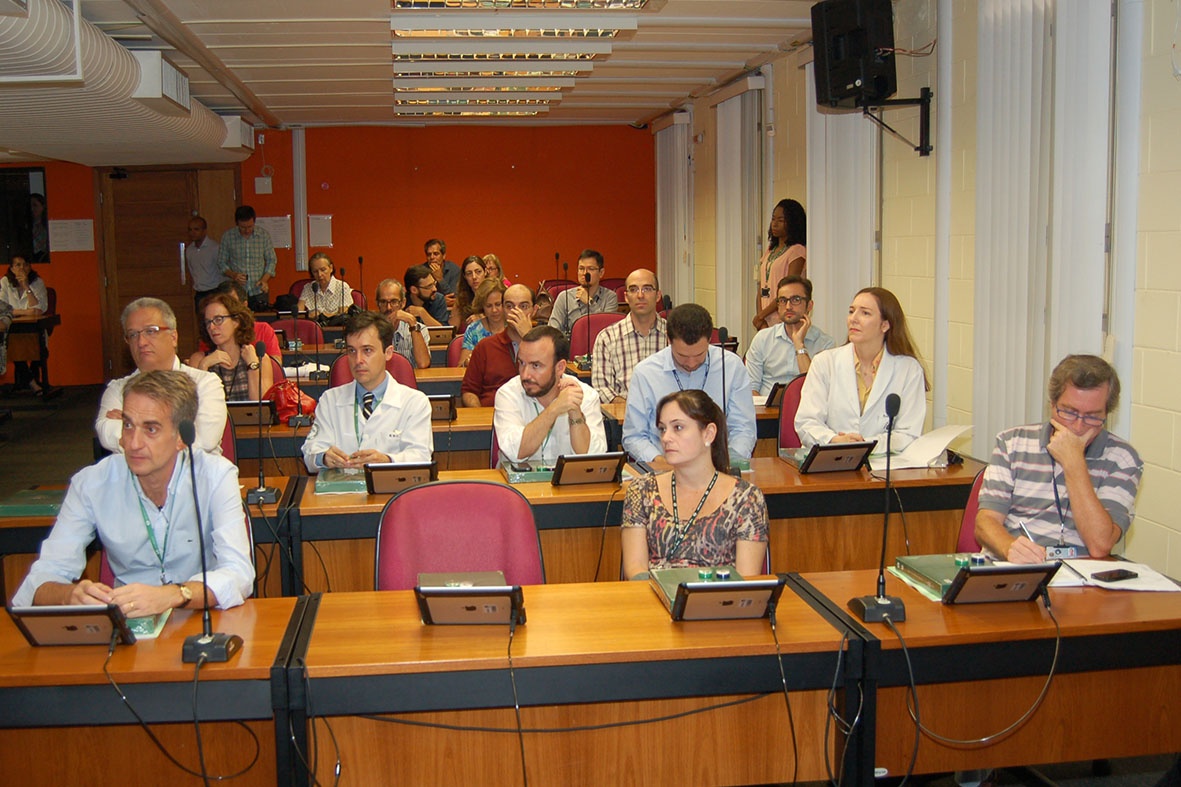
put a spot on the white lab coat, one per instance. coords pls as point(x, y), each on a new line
point(400, 425)
point(829, 403)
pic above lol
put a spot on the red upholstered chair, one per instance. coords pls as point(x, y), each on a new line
point(359, 299)
point(297, 287)
point(457, 526)
point(967, 540)
point(590, 324)
point(454, 350)
point(306, 331)
point(547, 283)
point(613, 283)
point(277, 373)
point(398, 367)
point(621, 294)
point(228, 447)
point(555, 289)
point(788, 438)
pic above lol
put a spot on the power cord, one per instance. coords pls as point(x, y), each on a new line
point(512, 676)
point(791, 722)
point(311, 764)
point(834, 714)
point(603, 535)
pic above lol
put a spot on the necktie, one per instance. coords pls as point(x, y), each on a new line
point(367, 405)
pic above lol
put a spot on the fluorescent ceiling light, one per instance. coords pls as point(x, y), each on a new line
point(477, 83)
point(403, 49)
point(475, 113)
point(489, 70)
point(486, 93)
point(510, 25)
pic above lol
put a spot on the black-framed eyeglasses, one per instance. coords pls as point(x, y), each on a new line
point(390, 302)
point(1070, 416)
point(217, 320)
point(794, 300)
point(647, 289)
point(150, 331)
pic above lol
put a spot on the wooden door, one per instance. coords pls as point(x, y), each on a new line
point(144, 216)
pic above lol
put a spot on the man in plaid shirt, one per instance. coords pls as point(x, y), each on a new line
point(247, 256)
point(619, 347)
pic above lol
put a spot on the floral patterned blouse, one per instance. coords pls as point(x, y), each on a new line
point(713, 539)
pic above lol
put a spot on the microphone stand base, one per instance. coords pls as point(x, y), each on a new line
point(210, 647)
point(299, 420)
point(262, 495)
point(875, 609)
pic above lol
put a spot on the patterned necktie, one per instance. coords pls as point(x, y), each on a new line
point(367, 405)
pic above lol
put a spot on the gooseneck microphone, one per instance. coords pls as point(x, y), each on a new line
point(723, 337)
point(341, 298)
point(205, 646)
point(264, 493)
point(557, 257)
point(360, 273)
point(876, 609)
point(315, 298)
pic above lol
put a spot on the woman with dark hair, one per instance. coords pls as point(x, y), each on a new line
point(490, 303)
point(786, 255)
point(844, 395)
point(23, 290)
point(228, 327)
point(494, 271)
point(471, 274)
point(697, 514)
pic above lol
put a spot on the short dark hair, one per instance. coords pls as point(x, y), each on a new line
point(690, 322)
point(699, 406)
point(244, 213)
point(415, 274)
point(358, 321)
point(426, 247)
point(591, 254)
point(1085, 372)
point(561, 343)
point(167, 387)
point(229, 286)
point(793, 279)
point(201, 219)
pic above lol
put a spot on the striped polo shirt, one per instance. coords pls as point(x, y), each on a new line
point(1018, 485)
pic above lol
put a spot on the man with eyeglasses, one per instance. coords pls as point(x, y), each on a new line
point(425, 301)
point(1063, 486)
point(587, 298)
point(494, 360)
point(411, 338)
point(149, 328)
point(782, 352)
point(619, 347)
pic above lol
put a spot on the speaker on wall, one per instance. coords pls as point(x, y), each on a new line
point(853, 44)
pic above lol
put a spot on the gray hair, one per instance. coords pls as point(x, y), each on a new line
point(150, 303)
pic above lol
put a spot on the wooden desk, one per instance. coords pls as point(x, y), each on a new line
point(62, 719)
point(829, 521)
point(440, 379)
point(337, 533)
point(460, 444)
point(766, 427)
point(24, 342)
point(980, 667)
point(589, 654)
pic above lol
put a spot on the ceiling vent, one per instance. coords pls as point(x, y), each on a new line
point(239, 134)
point(162, 86)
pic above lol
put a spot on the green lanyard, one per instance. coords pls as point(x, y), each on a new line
point(681, 532)
point(544, 442)
point(161, 552)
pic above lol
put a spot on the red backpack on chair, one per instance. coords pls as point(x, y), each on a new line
point(289, 400)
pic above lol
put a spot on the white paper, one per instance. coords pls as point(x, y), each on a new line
point(1149, 580)
point(922, 451)
point(71, 235)
point(303, 371)
point(760, 400)
point(279, 228)
point(320, 230)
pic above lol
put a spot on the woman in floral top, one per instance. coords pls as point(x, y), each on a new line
point(698, 514)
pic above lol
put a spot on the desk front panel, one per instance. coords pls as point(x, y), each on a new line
point(589, 654)
point(980, 667)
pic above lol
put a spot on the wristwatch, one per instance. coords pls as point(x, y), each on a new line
point(802, 351)
point(184, 591)
point(253, 366)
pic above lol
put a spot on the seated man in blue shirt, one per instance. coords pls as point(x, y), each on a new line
point(424, 300)
point(780, 353)
point(373, 418)
point(139, 503)
point(689, 361)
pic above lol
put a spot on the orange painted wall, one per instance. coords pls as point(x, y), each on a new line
point(522, 193)
point(75, 347)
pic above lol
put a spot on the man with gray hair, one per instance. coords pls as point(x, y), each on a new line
point(411, 338)
point(149, 328)
point(140, 504)
point(1065, 488)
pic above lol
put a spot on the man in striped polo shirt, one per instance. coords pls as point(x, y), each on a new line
point(1069, 482)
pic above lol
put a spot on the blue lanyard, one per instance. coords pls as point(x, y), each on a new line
point(677, 377)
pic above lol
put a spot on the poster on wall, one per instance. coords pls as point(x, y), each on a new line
point(279, 228)
point(71, 234)
point(320, 230)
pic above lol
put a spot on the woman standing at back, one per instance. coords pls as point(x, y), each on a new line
point(786, 255)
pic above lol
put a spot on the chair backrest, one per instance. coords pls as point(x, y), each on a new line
point(555, 289)
point(277, 372)
point(359, 299)
point(788, 437)
point(229, 448)
point(621, 294)
point(457, 526)
point(587, 327)
point(297, 287)
point(967, 540)
point(398, 367)
point(306, 331)
point(454, 350)
point(402, 371)
point(547, 283)
point(612, 282)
